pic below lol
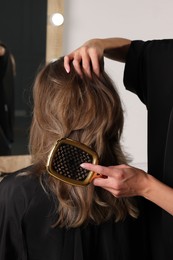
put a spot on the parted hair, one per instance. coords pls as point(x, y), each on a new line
point(89, 110)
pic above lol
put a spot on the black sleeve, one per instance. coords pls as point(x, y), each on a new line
point(134, 73)
point(149, 66)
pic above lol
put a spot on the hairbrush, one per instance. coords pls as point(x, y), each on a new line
point(64, 162)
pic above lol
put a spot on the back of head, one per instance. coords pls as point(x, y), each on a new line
point(66, 105)
point(87, 110)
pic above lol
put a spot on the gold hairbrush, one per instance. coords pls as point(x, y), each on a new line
point(64, 162)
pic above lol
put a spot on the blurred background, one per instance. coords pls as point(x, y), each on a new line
point(23, 31)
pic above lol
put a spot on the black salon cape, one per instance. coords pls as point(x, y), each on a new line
point(149, 74)
point(26, 232)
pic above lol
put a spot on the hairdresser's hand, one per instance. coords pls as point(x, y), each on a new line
point(89, 54)
point(127, 181)
point(121, 181)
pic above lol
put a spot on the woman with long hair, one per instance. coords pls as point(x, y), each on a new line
point(42, 217)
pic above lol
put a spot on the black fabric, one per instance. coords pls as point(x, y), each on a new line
point(26, 232)
point(6, 103)
point(5, 148)
point(149, 74)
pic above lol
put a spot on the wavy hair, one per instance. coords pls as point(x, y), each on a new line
point(88, 110)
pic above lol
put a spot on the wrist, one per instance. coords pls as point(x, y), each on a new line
point(147, 185)
point(150, 187)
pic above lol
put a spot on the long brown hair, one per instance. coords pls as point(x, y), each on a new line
point(88, 110)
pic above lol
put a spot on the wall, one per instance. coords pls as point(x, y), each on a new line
point(130, 19)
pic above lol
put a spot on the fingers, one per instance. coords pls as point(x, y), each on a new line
point(79, 61)
point(67, 63)
point(112, 185)
point(95, 62)
point(76, 59)
point(77, 66)
point(108, 171)
point(83, 59)
point(97, 168)
point(121, 180)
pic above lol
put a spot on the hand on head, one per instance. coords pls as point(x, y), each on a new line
point(86, 57)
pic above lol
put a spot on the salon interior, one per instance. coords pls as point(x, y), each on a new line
point(32, 31)
point(37, 32)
